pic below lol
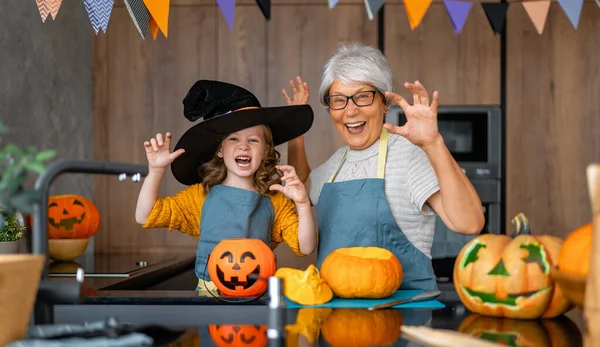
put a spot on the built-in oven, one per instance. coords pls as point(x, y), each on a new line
point(473, 135)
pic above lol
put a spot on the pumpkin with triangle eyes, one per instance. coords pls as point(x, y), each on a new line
point(72, 217)
point(240, 267)
point(496, 275)
point(232, 335)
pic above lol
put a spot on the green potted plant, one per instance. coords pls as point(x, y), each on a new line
point(16, 200)
point(11, 233)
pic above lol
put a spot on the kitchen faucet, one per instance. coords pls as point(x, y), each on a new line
point(51, 293)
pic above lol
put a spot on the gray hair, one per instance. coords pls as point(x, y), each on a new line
point(356, 62)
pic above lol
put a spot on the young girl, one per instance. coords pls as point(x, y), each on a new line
point(231, 166)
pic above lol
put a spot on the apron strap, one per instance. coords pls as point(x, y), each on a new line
point(382, 155)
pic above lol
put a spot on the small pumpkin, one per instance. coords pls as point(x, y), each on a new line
point(72, 216)
point(556, 332)
point(232, 335)
point(359, 327)
point(362, 272)
point(305, 287)
point(497, 275)
point(575, 254)
point(239, 266)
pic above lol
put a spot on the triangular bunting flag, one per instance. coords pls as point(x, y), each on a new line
point(53, 6)
point(538, 12)
point(458, 12)
point(43, 8)
point(373, 6)
point(153, 28)
point(332, 3)
point(90, 8)
point(159, 11)
point(265, 7)
point(598, 2)
point(227, 8)
point(496, 14)
point(139, 14)
point(572, 9)
point(415, 10)
point(103, 10)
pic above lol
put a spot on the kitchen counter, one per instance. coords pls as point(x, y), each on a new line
point(157, 291)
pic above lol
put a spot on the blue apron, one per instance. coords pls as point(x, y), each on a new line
point(229, 212)
point(356, 213)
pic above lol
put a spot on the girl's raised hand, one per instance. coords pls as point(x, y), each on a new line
point(158, 151)
point(293, 188)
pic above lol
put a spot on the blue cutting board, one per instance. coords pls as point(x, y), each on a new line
point(366, 303)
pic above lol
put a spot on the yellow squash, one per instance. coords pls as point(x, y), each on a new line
point(304, 287)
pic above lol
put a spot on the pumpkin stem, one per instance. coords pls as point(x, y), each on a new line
point(521, 225)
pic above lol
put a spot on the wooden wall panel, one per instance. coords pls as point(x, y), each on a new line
point(464, 68)
point(553, 117)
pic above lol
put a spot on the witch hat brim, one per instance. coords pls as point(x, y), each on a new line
point(200, 142)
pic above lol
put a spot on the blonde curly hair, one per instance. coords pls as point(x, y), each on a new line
point(214, 171)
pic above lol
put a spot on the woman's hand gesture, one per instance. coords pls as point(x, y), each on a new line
point(158, 151)
point(293, 188)
point(421, 126)
point(301, 93)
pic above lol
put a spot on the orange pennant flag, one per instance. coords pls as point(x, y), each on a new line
point(415, 10)
point(159, 15)
point(538, 12)
point(153, 27)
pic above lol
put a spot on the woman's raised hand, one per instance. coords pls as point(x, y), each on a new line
point(158, 151)
point(301, 93)
point(421, 126)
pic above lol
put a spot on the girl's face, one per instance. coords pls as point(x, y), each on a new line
point(243, 151)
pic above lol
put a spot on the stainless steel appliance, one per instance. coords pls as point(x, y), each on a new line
point(473, 134)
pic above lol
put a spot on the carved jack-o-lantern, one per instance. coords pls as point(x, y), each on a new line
point(230, 335)
point(239, 267)
point(497, 275)
point(72, 217)
point(556, 332)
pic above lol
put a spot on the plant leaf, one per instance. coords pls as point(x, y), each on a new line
point(45, 155)
point(36, 167)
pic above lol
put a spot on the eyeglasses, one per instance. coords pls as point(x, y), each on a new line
point(360, 99)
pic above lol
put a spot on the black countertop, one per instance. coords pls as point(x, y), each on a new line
point(208, 321)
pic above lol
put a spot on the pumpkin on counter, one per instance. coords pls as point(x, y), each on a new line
point(305, 287)
point(556, 332)
point(362, 272)
point(360, 328)
point(497, 275)
point(72, 216)
point(232, 335)
point(574, 257)
point(240, 266)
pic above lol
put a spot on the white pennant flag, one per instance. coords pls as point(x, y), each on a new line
point(373, 6)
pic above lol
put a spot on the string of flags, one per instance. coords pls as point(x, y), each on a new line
point(153, 15)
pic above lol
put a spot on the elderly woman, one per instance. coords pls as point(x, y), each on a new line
point(387, 185)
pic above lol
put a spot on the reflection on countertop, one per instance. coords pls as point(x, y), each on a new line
point(124, 271)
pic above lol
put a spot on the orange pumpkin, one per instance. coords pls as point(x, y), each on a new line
point(362, 272)
point(576, 251)
point(358, 327)
point(557, 332)
point(497, 275)
point(231, 335)
point(72, 217)
point(240, 267)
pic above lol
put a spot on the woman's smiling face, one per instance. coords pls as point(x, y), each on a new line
point(360, 126)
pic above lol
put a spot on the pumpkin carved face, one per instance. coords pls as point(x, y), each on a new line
point(560, 331)
point(230, 335)
point(238, 267)
point(497, 275)
point(72, 217)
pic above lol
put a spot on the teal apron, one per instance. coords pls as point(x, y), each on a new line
point(229, 212)
point(356, 213)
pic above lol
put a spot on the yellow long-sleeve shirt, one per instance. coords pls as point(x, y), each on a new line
point(183, 212)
